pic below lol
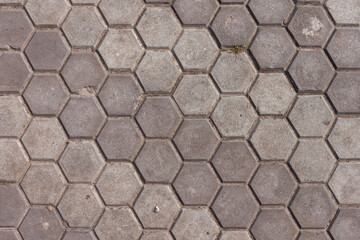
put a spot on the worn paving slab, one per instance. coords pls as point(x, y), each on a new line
point(179, 120)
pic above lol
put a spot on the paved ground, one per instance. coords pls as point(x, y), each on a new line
point(188, 120)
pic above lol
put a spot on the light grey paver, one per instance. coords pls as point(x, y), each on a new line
point(195, 94)
point(79, 235)
point(345, 183)
point(234, 116)
point(43, 183)
point(12, 206)
point(156, 206)
point(272, 93)
point(196, 184)
point(195, 12)
point(271, 11)
point(233, 25)
point(119, 184)
point(80, 206)
point(311, 115)
point(239, 235)
point(156, 235)
point(234, 206)
point(41, 223)
point(273, 184)
point(123, 12)
point(48, 12)
point(313, 206)
point(346, 224)
point(344, 12)
point(195, 224)
point(195, 139)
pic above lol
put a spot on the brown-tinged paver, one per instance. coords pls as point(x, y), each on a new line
point(347, 224)
point(240, 235)
point(9, 234)
point(12, 206)
point(314, 235)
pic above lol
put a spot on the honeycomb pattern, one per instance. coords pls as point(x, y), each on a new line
point(179, 120)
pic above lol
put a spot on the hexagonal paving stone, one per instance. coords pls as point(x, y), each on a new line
point(158, 71)
point(272, 93)
point(195, 139)
point(13, 161)
point(14, 27)
point(310, 26)
point(195, 12)
point(81, 161)
point(272, 47)
point(44, 138)
point(14, 2)
point(314, 235)
point(345, 183)
point(41, 223)
point(344, 92)
point(344, 48)
point(274, 224)
point(47, 50)
point(233, 25)
point(234, 206)
point(195, 224)
point(13, 116)
point(12, 205)
point(195, 49)
point(83, 70)
point(344, 138)
point(85, 1)
point(234, 162)
point(196, 184)
point(47, 12)
point(158, 161)
point(13, 71)
point(273, 184)
point(9, 234)
point(83, 27)
point(271, 11)
point(123, 12)
point(234, 78)
point(158, 117)
point(118, 223)
point(234, 116)
point(120, 94)
point(347, 224)
point(45, 94)
point(273, 139)
point(312, 161)
point(158, 27)
point(311, 116)
point(119, 139)
point(79, 235)
point(82, 117)
point(195, 94)
point(156, 206)
point(156, 235)
point(43, 183)
point(80, 206)
point(239, 235)
point(313, 206)
point(120, 48)
point(344, 12)
point(119, 184)
point(311, 70)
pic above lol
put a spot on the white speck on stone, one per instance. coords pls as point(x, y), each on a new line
point(315, 26)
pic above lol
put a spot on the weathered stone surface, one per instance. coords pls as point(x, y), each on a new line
point(156, 206)
point(195, 94)
point(344, 138)
point(313, 206)
point(156, 235)
point(195, 139)
point(234, 206)
point(273, 184)
point(47, 12)
point(273, 139)
point(43, 183)
point(234, 162)
point(123, 12)
point(79, 235)
point(233, 25)
point(344, 12)
point(346, 224)
point(12, 205)
point(195, 12)
point(311, 115)
point(119, 184)
point(195, 224)
point(9, 234)
point(272, 93)
point(314, 235)
point(271, 11)
point(345, 183)
point(239, 235)
point(196, 184)
point(234, 116)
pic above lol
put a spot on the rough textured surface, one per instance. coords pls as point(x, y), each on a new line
point(271, 11)
point(47, 12)
point(128, 15)
point(12, 206)
point(195, 12)
point(346, 224)
point(345, 12)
